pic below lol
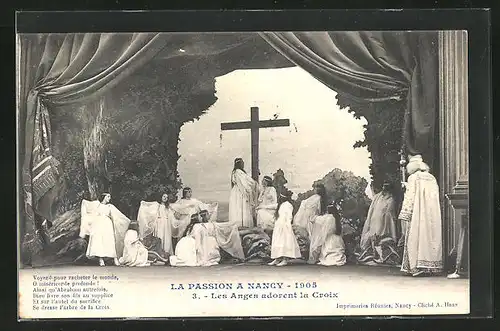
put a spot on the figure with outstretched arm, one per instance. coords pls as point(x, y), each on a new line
point(106, 226)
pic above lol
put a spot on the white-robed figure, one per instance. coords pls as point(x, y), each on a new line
point(187, 206)
point(326, 244)
point(284, 245)
point(202, 241)
point(421, 217)
point(106, 226)
point(267, 204)
point(311, 207)
point(156, 218)
point(135, 254)
point(381, 217)
point(243, 196)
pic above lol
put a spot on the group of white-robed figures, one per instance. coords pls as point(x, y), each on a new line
point(275, 213)
point(193, 225)
point(188, 224)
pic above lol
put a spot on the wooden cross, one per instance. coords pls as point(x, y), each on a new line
point(254, 125)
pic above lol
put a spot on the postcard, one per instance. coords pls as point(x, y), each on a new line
point(242, 174)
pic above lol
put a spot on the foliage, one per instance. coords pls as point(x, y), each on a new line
point(143, 151)
point(140, 126)
point(69, 127)
point(383, 135)
point(140, 171)
point(347, 186)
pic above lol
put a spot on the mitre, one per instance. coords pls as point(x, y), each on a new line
point(416, 158)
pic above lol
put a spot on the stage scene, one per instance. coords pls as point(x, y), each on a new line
point(164, 151)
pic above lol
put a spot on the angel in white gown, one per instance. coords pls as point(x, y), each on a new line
point(135, 254)
point(284, 245)
point(267, 204)
point(326, 244)
point(311, 207)
point(106, 226)
point(243, 196)
point(156, 218)
point(187, 206)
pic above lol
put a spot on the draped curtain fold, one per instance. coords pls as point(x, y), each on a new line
point(68, 68)
point(374, 67)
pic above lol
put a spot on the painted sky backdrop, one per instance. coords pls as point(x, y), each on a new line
point(319, 139)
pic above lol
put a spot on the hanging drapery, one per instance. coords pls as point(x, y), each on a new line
point(374, 67)
point(69, 68)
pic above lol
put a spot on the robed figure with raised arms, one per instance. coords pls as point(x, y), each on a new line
point(243, 196)
point(187, 206)
point(156, 218)
point(106, 226)
point(311, 207)
point(421, 216)
point(168, 221)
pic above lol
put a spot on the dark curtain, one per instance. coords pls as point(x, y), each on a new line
point(374, 67)
point(57, 69)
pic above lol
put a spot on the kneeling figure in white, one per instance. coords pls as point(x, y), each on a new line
point(135, 254)
point(202, 241)
point(327, 246)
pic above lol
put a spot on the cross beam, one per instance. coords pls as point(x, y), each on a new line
point(254, 125)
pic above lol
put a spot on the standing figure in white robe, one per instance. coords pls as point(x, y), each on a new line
point(421, 214)
point(156, 218)
point(326, 244)
point(187, 206)
point(243, 196)
point(135, 254)
point(311, 207)
point(267, 204)
point(202, 241)
point(284, 245)
point(106, 226)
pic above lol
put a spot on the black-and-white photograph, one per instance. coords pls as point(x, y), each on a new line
point(243, 174)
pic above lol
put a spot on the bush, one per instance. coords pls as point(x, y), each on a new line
point(347, 186)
